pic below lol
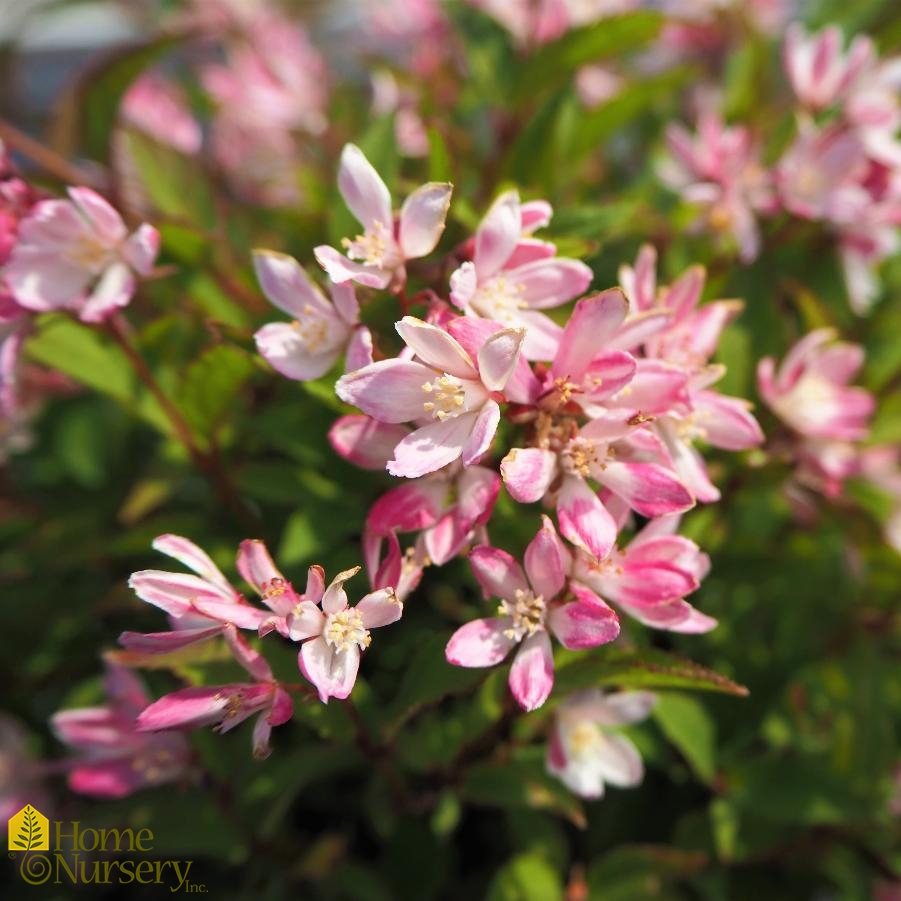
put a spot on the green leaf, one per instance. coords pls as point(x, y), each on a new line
point(429, 677)
point(555, 63)
point(527, 877)
point(94, 360)
point(686, 723)
point(176, 185)
point(440, 167)
point(211, 386)
point(641, 669)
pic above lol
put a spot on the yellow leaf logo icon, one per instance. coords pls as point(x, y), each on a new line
point(29, 830)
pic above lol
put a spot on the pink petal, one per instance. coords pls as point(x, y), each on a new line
point(550, 283)
point(436, 348)
point(185, 551)
point(483, 431)
point(619, 761)
point(497, 235)
point(532, 673)
point(727, 421)
point(288, 287)
point(498, 357)
point(335, 598)
point(584, 520)
point(498, 574)
point(256, 566)
point(305, 621)
point(408, 508)
point(380, 608)
point(547, 561)
point(166, 642)
point(174, 593)
point(528, 473)
point(429, 448)
point(251, 660)
point(340, 269)
point(359, 348)
point(479, 643)
point(364, 441)
point(577, 625)
point(389, 390)
point(188, 707)
point(477, 490)
point(285, 349)
point(104, 220)
point(648, 488)
point(422, 219)
point(142, 248)
point(332, 672)
point(113, 290)
point(363, 189)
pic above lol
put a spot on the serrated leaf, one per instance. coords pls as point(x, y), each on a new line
point(641, 669)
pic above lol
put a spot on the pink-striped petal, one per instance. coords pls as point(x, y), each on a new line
point(532, 673)
point(498, 574)
point(481, 642)
point(584, 520)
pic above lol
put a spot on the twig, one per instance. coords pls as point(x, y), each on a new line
point(208, 463)
point(47, 159)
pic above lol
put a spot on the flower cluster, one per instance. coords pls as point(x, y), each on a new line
point(595, 417)
point(828, 424)
point(842, 168)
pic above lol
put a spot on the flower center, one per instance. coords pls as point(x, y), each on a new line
point(527, 610)
point(375, 247)
point(580, 456)
point(447, 397)
point(499, 300)
point(313, 331)
point(345, 629)
point(88, 253)
point(584, 738)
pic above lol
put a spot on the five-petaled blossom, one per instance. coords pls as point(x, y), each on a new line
point(533, 603)
point(334, 633)
point(582, 751)
point(320, 332)
point(448, 394)
point(376, 258)
point(77, 255)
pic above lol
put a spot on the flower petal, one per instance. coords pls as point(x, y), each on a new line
point(532, 673)
point(435, 445)
point(363, 189)
point(422, 219)
point(499, 574)
point(364, 441)
point(583, 625)
point(332, 672)
point(388, 390)
point(436, 348)
point(547, 561)
point(498, 357)
point(497, 235)
point(479, 643)
point(528, 473)
point(584, 520)
point(380, 608)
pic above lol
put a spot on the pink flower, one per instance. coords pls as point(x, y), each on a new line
point(583, 754)
point(114, 758)
point(226, 706)
point(599, 451)
point(335, 635)
point(513, 276)
point(448, 394)
point(534, 603)
point(376, 258)
point(21, 775)
point(719, 170)
point(809, 391)
point(308, 347)
point(199, 605)
point(77, 254)
point(157, 107)
point(650, 577)
point(820, 73)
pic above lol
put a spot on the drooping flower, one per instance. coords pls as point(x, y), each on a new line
point(512, 277)
point(309, 346)
point(534, 603)
point(77, 255)
point(376, 258)
point(226, 706)
point(584, 754)
point(114, 758)
point(334, 635)
point(448, 394)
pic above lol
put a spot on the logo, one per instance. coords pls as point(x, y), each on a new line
point(29, 830)
point(82, 855)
